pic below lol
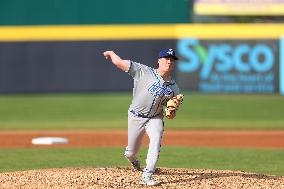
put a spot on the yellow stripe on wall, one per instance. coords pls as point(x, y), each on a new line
point(99, 32)
point(140, 32)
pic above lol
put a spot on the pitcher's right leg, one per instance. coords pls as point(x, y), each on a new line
point(136, 131)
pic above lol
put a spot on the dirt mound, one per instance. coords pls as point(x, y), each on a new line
point(126, 178)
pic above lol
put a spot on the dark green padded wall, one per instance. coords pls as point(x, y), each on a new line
point(58, 12)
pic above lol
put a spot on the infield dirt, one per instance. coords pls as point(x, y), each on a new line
point(118, 138)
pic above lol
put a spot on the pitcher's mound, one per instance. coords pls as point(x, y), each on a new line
point(126, 178)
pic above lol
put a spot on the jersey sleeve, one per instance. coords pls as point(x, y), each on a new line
point(137, 70)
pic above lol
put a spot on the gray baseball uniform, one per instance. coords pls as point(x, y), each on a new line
point(150, 94)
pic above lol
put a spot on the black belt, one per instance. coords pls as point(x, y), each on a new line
point(138, 114)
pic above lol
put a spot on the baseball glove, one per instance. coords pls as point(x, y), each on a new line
point(172, 105)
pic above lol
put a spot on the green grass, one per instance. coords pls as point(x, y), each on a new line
point(249, 160)
point(108, 111)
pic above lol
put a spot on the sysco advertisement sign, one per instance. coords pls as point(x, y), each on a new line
point(230, 66)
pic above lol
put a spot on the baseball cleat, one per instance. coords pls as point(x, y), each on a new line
point(149, 181)
point(136, 165)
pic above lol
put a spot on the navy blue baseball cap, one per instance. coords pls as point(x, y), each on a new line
point(168, 53)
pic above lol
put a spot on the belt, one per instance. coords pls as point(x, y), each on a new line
point(138, 114)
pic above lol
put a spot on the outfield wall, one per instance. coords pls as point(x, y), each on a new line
point(232, 58)
point(82, 12)
point(71, 66)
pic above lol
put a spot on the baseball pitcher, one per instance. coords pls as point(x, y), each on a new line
point(153, 90)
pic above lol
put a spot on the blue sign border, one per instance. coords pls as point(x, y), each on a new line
point(281, 66)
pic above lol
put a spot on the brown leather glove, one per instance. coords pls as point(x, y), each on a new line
point(173, 105)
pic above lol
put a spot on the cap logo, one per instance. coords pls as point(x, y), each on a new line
point(170, 52)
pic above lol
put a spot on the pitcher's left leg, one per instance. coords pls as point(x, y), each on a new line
point(154, 129)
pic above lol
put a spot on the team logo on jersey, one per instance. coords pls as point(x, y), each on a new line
point(156, 89)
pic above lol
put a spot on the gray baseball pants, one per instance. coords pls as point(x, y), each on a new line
point(137, 127)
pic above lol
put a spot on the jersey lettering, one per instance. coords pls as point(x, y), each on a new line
point(156, 90)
